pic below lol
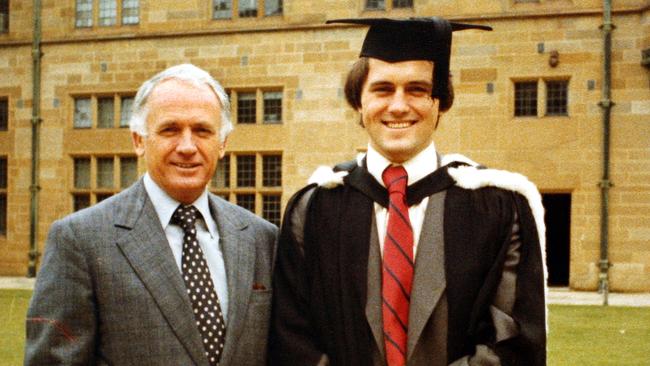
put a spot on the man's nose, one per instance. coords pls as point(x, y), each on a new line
point(186, 144)
point(398, 103)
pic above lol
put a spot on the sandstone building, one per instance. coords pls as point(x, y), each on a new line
point(529, 98)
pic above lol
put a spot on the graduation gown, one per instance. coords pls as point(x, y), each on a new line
point(321, 283)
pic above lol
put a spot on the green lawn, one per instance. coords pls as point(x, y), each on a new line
point(580, 335)
point(13, 306)
point(599, 336)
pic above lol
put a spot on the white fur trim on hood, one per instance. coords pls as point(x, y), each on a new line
point(469, 177)
point(326, 177)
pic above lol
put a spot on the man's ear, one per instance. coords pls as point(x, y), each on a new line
point(359, 110)
point(138, 143)
point(438, 120)
point(222, 148)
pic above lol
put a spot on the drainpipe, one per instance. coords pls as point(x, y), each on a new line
point(36, 122)
point(605, 184)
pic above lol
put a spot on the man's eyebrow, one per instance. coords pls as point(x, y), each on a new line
point(421, 83)
point(381, 83)
point(167, 123)
point(205, 124)
point(414, 82)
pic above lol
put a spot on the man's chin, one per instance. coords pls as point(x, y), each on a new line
point(187, 191)
point(399, 154)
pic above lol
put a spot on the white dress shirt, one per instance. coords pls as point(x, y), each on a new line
point(418, 167)
point(206, 233)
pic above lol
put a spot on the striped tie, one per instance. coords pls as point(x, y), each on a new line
point(397, 278)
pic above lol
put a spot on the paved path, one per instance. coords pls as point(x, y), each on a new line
point(562, 296)
point(565, 296)
point(16, 283)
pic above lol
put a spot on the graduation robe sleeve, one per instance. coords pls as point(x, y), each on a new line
point(292, 340)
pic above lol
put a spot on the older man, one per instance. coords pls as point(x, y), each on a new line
point(163, 273)
point(406, 256)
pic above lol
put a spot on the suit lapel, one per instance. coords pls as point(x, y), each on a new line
point(429, 277)
point(373, 303)
point(239, 259)
point(145, 246)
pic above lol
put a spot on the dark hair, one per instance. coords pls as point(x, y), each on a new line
point(359, 73)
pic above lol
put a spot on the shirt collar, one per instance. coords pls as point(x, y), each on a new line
point(165, 205)
point(418, 167)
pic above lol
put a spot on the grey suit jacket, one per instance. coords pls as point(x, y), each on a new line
point(427, 332)
point(109, 292)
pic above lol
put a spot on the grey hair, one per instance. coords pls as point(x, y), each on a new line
point(185, 72)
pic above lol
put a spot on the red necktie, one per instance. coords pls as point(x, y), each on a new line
point(397, 278)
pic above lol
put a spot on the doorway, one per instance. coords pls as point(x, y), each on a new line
point(558, 237)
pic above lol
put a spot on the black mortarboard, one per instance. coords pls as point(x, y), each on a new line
point(395, 40)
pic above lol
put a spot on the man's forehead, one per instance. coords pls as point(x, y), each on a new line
point(418, 69)
point(172, 88)
point(173, 83)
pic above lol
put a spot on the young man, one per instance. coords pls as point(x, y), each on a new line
point(163, 273)
point(407, 256)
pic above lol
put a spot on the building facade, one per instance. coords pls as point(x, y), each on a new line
point(529, 98)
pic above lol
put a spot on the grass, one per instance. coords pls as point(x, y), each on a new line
point(599, 336)
point(13, 307)
point(580, 335)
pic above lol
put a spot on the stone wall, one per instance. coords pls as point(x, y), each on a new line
point(308, 61)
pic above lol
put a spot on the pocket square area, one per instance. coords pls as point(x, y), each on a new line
point(258, 286)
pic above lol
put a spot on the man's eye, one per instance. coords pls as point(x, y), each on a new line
point(382, 89)
point(204, 131)
point(170, 130)
point(419, 90)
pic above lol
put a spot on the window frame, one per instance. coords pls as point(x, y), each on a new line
point(260, 105)
point(126, 19)
point(126, 118)
point(265, 109)
point(5, 17)
point(389, 5)
point(117, 115)
point(271, 170)
point(272, 216)
point(231, 191)
point(250, 118)
point(102, 111)
point(107, 13)
point(223, 168)
point(4, 194)
point(543, 97)
point(4, 113)
point(86, 22)
point(549, 111)
point(94, 192)
point(527, 104)
point(95, 12)
point(250, 178)
point(261, 10)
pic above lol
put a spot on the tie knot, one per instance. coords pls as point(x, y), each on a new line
point(185, 216)
point(395, 179)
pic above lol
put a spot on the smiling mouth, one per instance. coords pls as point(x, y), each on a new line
point(398, 124)
point(186, 166)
